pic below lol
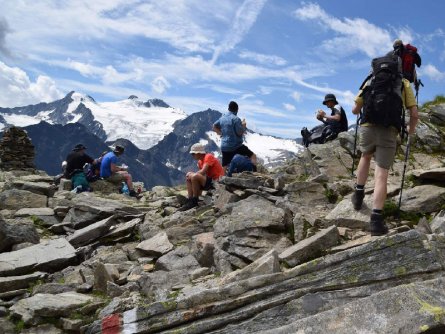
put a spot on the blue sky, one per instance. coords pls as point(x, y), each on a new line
point(277, 59)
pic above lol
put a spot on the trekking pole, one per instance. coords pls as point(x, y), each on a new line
point(408, 143)
point(355, 145)
point(418, 83)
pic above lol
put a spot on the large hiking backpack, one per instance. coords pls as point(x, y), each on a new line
point(410, 58)
point(382, 94)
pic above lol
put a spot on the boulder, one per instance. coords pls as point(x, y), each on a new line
point(26, 212)
point(33, 310)
point(49, 255)
point(157, 246)
point(203, 247)
point(438, 223)
point(423, 199)
point(13, 199)
point(253, 227)
point(104, 187)
point(11, 283)
point(178, 259)
point(17, 232)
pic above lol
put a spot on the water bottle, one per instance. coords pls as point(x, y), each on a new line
point(125, 189)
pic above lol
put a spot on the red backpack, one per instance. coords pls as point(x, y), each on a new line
point(410, 57)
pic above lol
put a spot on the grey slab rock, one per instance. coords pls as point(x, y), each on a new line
point(14, 198)
point(311, 247)
point(267, 264)
point(10, 283)
point(344, 215)
point(408, 309)
point(92, 232)
point(437, 114)
point(42, 188)
point(157, 246)
point(122, 229)
point(49, 255)
point(25, 212)
point(53, 288)
point(435, 174)
point(423, 199)
point(358, 272)
point(34, 309)
point(438, 223)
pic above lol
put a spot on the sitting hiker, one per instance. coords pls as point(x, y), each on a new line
point(110, 171)
point(332, 124)
point(209, 170)
point(240, 163)
point(231, 129)
point(74, 168)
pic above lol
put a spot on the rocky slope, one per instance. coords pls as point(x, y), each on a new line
point(281, 252)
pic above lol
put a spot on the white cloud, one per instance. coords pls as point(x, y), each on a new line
point(296, 96)
point(16, 89)
point(432, 72)
point(244, 19)
point(289, 107)
point(160, 85)
point(263, 59)
point(353, 35)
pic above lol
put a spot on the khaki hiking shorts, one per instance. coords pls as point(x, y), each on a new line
point(380, 140)
point(115, 178)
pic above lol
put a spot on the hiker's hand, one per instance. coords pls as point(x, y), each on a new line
point(243, 122)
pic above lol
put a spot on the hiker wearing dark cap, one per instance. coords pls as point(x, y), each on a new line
point(332, 125)
point(232, 129)
point(74, 168)
point(110, 171)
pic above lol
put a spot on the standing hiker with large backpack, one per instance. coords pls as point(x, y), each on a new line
point(382, 99)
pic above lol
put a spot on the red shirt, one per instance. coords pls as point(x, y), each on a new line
point(215, 170)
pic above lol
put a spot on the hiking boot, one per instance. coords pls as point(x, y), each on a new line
point(191, 203)
point(133, 193)
point(357, 198)
point(377, 225)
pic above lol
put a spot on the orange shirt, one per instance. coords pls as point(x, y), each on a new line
point(215, 170)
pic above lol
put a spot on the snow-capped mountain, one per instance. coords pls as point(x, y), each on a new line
point(143, 123)
point(157, 137)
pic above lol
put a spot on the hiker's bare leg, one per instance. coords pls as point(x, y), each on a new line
point(363, 168)
point(128, 179)
point(253, 159)
point(198, 182)
point(189, 184)
point(380, 187)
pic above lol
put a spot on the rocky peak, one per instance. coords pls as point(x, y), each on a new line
point(156, 103)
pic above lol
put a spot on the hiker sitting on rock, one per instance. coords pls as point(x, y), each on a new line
point(74, 168)
point(209, 170)
point(110, 171)
point(93, 170)
point(332, 124)
point(239, 164)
